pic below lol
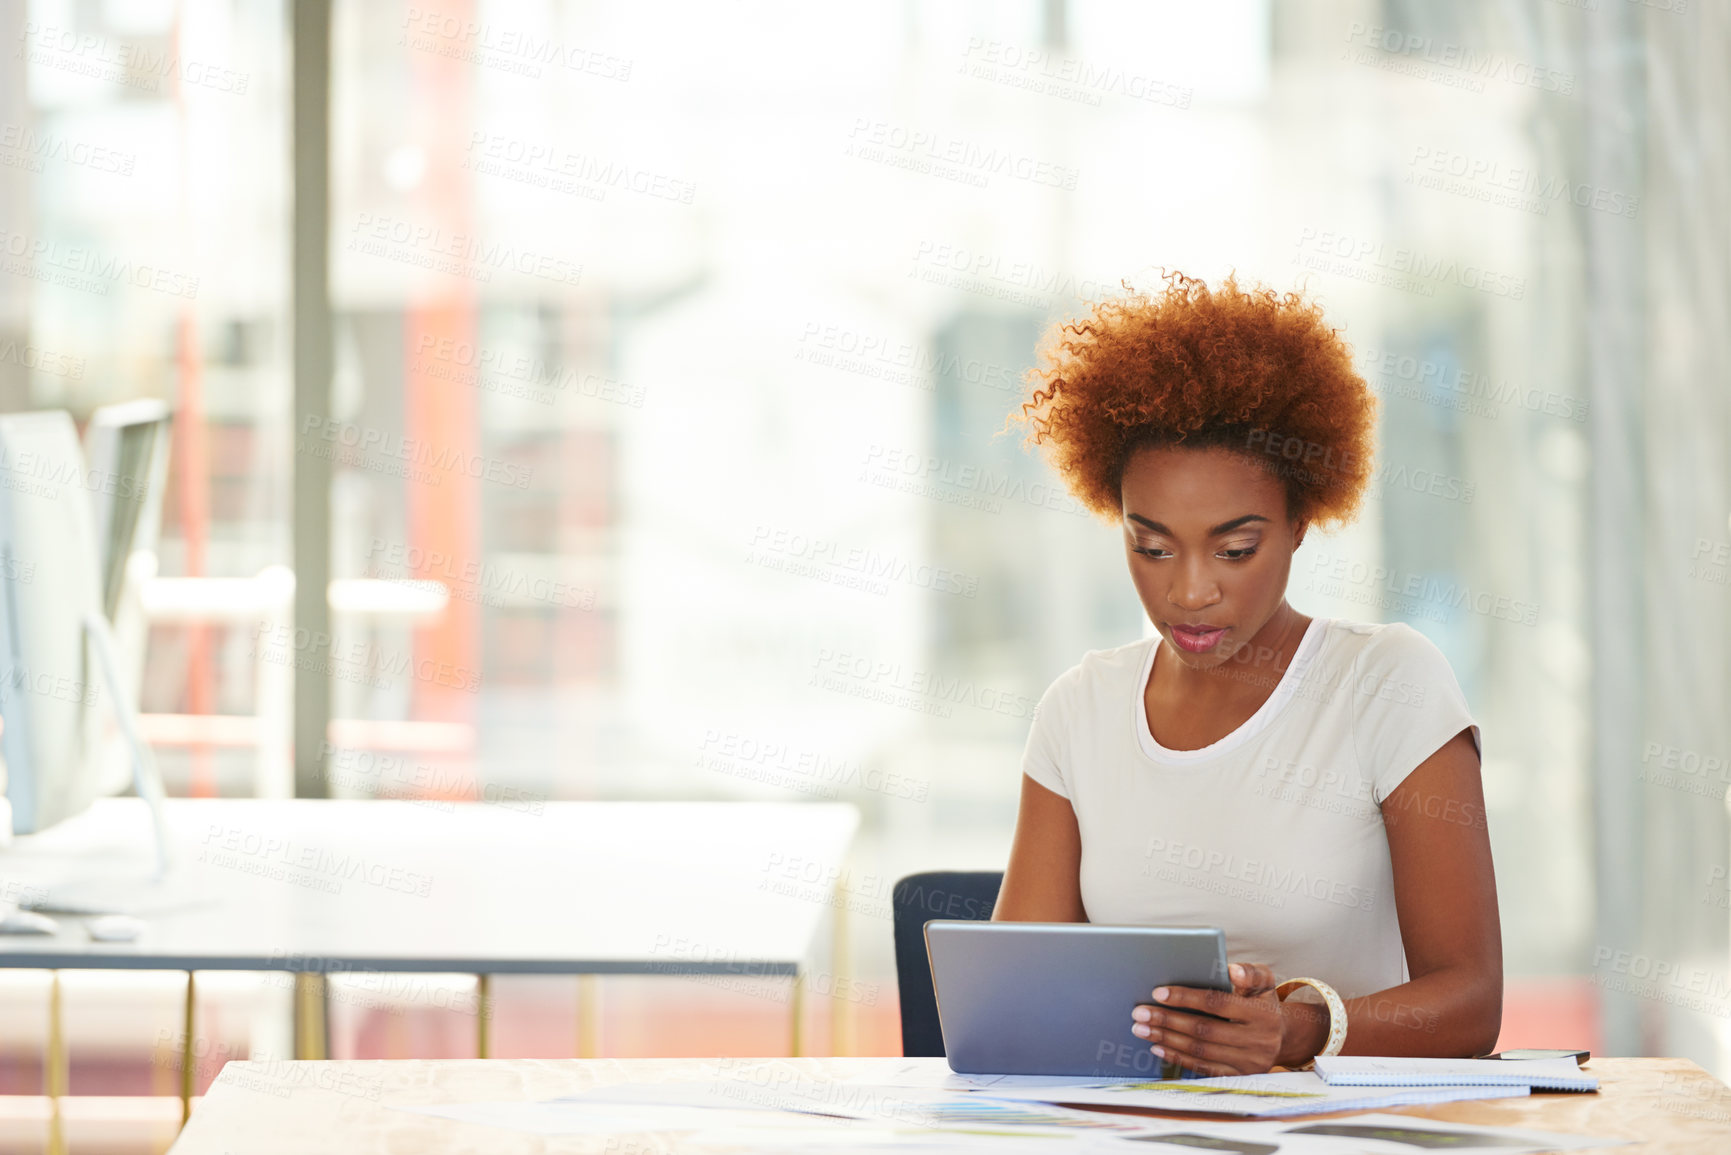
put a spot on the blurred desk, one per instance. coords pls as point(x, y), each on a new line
point(516, 887)
point(1665, 1105)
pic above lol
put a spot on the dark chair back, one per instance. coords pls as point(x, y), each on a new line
point(917, 899)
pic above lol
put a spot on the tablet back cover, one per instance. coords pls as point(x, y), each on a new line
point(1025, 998)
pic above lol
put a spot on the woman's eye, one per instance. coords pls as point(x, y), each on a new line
point(1148, 550)
point(1238, 554)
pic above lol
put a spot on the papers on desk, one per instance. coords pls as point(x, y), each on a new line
point(1375, 1071)
point(1361, 1135)
point(727, 1129)
point(1272, 1096)
point(919, 1109)
point(936, 1120)
point(756, 1106)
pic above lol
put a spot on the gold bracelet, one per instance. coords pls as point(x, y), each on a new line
point(1336, 1015)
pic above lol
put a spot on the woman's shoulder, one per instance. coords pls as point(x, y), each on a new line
point(1390, 660)
point(1382, 643)
point(1120, 661)
point(1405, 701)
point(1101, 671)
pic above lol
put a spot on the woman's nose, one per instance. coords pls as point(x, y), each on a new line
point(1193, 591)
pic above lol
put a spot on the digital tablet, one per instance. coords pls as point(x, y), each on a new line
point(1054, 998)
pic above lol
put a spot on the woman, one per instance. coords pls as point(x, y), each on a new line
point(1311, 786)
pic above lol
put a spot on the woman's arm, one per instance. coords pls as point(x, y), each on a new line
point(1446, 900)
point(1042, 882)
point(1445, 894)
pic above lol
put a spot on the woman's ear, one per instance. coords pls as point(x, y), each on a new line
point(1298, 534)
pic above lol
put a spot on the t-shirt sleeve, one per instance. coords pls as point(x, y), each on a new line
point(1045, 756)
point(1406, 704)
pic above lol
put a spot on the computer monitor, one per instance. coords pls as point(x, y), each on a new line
point(60, 669)
point(126, 468)
point(126, 454)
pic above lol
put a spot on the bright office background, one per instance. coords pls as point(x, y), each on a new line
point(699, 327)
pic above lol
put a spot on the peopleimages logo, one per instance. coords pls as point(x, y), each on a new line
point(920, 690)
point(1511, 186)
point(939, 154)
point(841, 347)
point(1167, 858)
point(1429, 379)
point(517, 50)
point(459, 254)
point(242, 849)
point(19, 679)
point(961, 483)
point(1320, 788)
point(1463, 59)
point(473, 579)
point(42, 361)
point(136, 66)
point(1691, 987)
point(1366, 258)
point(55, 473)
point(32, 147)
point(966, 266)
point(795, 552)
point(549, 165)
point(1344, 572)
point(1066, 77)
point(419, 451)
point(358, 657)
point(783, 764)
point(85, 269)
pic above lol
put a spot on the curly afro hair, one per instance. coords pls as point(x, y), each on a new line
point(1250, 370)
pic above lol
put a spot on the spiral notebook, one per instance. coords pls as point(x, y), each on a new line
point(1389, 1071)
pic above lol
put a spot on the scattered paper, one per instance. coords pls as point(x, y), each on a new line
point(1369, 1134)
point(1266, 1096)
point(925, 1108)
point(723, 1130)
point(726, 1130)
point(563, 1117)
point(1562, 1074)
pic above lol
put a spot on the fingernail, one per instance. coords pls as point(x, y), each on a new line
point(1141, 1014)
point(1140, 1029)
point(1161, 1051)
point(1236, 970)
point(1160, 994)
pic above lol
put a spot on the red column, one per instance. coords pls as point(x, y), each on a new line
point(442, 415)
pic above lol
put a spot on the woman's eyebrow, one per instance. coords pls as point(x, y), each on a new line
point(1223, 527)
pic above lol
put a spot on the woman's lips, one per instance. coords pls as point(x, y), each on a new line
point(1197, 639)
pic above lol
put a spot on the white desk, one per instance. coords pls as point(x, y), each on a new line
point(567, 888)
point(1667, 1105)
point(316, 887)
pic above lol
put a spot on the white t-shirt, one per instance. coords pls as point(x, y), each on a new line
point(1275, 832)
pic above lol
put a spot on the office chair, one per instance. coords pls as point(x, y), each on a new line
point(918, 898)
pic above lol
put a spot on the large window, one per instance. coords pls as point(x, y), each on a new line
point(672, 349)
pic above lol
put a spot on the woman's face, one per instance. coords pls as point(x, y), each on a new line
point(1210, 547)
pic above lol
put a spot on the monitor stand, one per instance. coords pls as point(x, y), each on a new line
point(140, 893)
point(146, 779)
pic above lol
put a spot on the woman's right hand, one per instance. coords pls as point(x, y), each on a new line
point(1244, 1031)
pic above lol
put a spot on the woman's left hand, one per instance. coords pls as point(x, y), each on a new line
point(1248, 1041)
